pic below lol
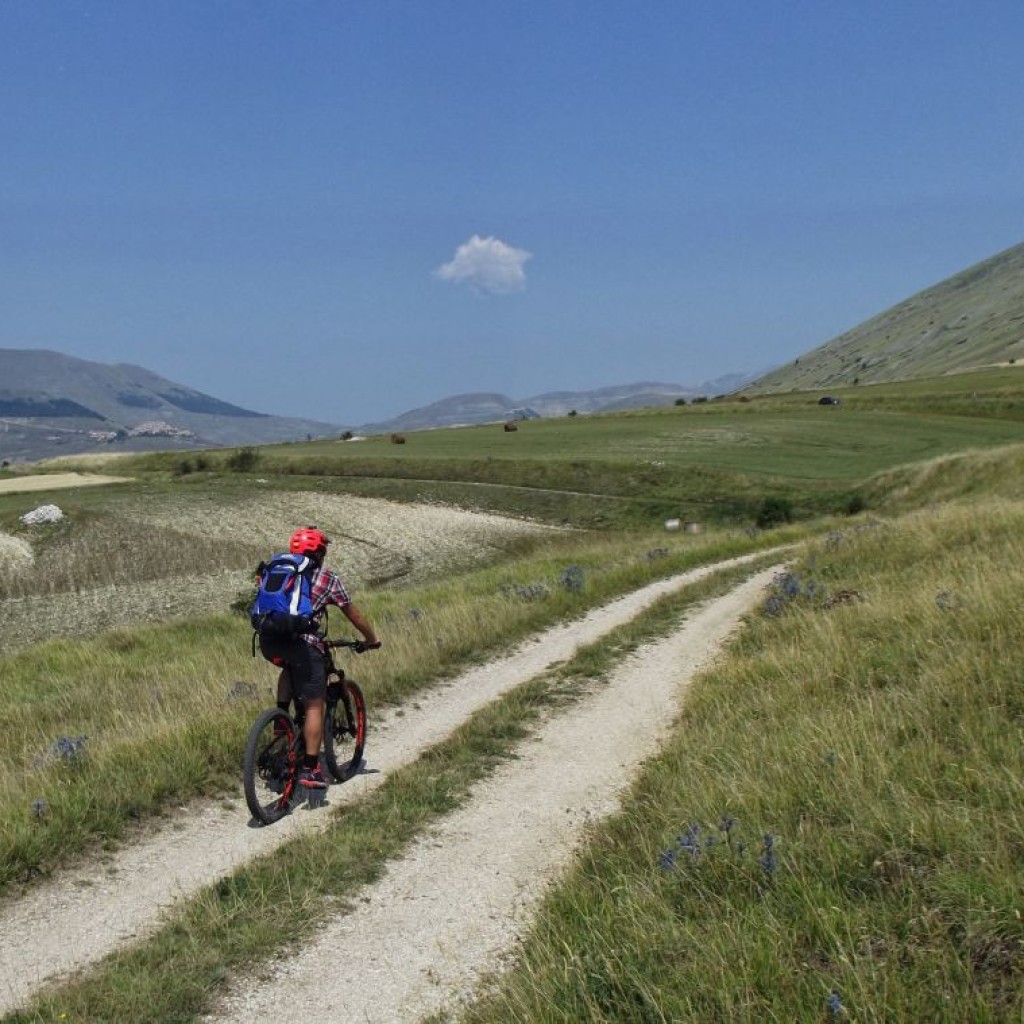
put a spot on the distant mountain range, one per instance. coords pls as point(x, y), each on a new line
point(482, 407)
point(974, 318)
point(54, 404)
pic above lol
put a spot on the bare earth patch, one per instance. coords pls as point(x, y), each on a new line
point(454, 906)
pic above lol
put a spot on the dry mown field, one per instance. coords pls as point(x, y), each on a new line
point(19, 484)
point(373, 538)
point(151, 561)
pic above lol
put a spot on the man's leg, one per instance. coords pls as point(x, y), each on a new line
point(313, 730)
point(310, 685)
point(284, 689)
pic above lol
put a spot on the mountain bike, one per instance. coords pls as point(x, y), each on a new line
point(275, 746)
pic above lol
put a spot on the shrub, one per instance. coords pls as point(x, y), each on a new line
point(243, 461)
point(774, 512)
point(185, 466)
point(572, 579)
point(855, 504)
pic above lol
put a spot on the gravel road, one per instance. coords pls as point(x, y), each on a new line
point(452, 907)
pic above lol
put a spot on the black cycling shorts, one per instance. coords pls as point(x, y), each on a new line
point(305, 666)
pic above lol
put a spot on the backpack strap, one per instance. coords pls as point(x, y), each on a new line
point(260, 570)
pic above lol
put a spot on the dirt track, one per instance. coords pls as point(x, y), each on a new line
point(420, 945)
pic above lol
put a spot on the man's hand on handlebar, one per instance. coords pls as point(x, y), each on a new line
point(358, 646)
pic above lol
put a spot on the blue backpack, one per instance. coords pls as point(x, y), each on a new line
point(283, 608)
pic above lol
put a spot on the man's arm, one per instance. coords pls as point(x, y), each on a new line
point(356, 617)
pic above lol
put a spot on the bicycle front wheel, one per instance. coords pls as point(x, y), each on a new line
point(344, 729)
point(270, 766)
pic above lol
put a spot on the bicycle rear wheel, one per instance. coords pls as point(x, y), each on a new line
point(270, 766)
point(344, 729)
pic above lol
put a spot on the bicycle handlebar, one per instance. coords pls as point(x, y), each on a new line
point(356, 645)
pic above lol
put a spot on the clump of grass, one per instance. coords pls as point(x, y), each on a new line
point(789, 588)
point(573, 579)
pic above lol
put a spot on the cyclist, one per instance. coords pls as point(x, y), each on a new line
point(301, 659)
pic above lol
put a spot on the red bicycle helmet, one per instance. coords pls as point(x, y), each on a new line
point(308, 541)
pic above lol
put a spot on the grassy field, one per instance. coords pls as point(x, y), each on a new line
point(714, 462)
point(833, 831)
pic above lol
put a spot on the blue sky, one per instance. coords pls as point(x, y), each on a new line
point(393, 202)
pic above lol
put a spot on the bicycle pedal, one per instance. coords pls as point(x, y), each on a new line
point(316, 798)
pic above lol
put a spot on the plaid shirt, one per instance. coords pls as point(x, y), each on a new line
point(325, 589)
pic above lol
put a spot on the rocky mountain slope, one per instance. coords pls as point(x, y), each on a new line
point(974, 318)
point(54, 404)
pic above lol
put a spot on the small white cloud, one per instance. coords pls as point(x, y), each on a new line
point(487, 264)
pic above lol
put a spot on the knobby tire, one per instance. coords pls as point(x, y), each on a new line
point(345, 731)
point(270, 766)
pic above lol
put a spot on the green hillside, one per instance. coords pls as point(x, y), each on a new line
point(973, 319)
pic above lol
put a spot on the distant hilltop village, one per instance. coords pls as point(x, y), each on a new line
point(156, 428)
